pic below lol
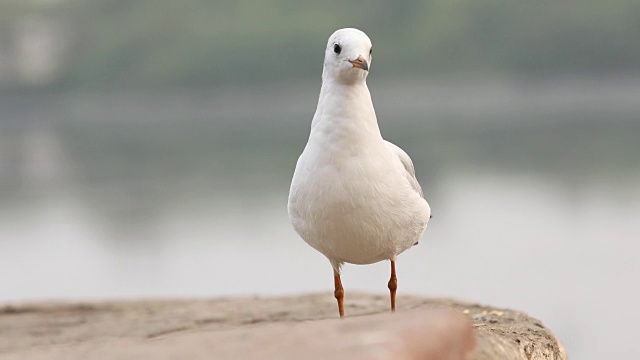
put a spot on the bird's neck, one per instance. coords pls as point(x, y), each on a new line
point(345, 112)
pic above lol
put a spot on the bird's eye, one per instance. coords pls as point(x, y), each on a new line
point(337, 49)
point(370, 51)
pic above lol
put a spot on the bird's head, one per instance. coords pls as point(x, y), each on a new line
point(347, 57)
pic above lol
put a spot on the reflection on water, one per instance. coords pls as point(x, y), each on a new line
point(535, 193)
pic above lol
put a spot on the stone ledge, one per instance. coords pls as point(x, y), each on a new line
point(216, 328)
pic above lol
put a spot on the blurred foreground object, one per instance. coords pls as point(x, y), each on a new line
point(272, 328)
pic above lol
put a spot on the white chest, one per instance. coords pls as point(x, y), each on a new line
point(355, 209)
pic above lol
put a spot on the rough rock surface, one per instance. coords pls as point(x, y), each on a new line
point(218, 327)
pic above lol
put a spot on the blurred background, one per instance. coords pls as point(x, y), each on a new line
point(146, 149)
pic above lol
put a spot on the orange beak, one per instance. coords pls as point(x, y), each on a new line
point(360, 63)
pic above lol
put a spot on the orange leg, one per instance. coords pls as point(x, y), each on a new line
point(393, 285)
point(339, 293)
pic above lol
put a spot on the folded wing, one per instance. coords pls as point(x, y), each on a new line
point(410, 172)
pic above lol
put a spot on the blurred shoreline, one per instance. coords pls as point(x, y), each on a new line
point(72, 136)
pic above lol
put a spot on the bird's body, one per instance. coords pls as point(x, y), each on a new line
point(354, 196)
point(350, 198)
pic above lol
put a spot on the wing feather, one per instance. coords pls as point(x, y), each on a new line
point(408, 166)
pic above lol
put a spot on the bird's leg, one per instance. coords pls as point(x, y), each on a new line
point(393, 285)
point(339, 293)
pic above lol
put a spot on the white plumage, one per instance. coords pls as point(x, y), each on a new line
point(354, 196)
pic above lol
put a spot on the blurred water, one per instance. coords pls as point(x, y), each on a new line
point(534, 187)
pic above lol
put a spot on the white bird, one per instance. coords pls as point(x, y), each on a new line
point(354, 196)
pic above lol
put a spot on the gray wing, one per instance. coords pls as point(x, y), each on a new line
point(410, 173)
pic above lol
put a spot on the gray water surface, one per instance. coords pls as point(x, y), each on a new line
point(535, 190)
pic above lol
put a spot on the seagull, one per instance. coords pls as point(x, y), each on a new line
point(354, 196)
